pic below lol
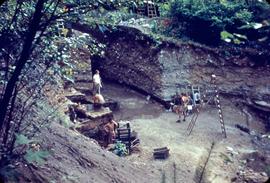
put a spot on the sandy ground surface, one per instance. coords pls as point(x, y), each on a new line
point(157, 127)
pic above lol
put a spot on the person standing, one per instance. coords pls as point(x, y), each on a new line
point(97, 82)
point(181, 109)
point(197, 98)
point(110, 129)
point(185, 101)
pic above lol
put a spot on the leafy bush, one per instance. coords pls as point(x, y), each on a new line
point(203, 20)
point(36, 156)
point(120, 149)
point(235, 38)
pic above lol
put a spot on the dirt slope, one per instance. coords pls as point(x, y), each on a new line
point(76, 158)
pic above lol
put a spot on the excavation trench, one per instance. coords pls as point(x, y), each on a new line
point(157, 127)
point(162, 69)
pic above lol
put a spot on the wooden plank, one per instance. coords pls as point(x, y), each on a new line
point(162, 148)
point(123, 130)
point(124, 135)
point(136, 141)
point(161, 152)
point(124, 139)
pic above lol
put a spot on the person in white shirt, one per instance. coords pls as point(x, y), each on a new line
point(97, 82)
point(197, 98)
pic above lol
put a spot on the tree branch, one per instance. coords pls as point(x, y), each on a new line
point(21, 62)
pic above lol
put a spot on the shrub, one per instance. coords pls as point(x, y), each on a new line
point(203, 20)
point(120, 149)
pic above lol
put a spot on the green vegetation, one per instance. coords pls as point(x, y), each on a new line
point(120, 149)
point(36, 156)
point(204, 20)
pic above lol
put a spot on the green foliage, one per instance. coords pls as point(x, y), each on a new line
point(36, 156)
point(244, 15)
point(22, 140)
point(235, 38)
point(203, 20)
point(120, 149)
point(226, 35)
point(219, 14)
point(164, 8)
point(31, 155)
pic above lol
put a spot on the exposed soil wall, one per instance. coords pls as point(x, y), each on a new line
point(163, 68)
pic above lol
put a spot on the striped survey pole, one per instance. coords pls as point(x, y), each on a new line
point(221, 119)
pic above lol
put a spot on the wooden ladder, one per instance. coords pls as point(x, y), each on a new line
point(124, 135)
point(194, 119)
point(198, 109)
point(151, 10)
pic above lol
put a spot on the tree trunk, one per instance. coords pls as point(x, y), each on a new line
point(33, 28)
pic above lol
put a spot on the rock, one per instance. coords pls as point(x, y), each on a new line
point(252, 132)
point(262, 105)
point(234, 179)
point(113, 105)
point(266, 136)
point(99, 114)
point(231, 150)
point(242, 128)
point(264, 174)
point(251, 176)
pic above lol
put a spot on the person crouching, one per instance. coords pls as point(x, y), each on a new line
point(98, 101)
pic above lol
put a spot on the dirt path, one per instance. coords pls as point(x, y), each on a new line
point(157, 128)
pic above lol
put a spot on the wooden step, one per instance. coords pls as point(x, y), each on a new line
point(161, 153)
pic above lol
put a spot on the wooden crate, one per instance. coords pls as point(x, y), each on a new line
point(161, 153)
point(124, 134)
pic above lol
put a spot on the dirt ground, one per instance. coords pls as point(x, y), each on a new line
point(157, 127)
